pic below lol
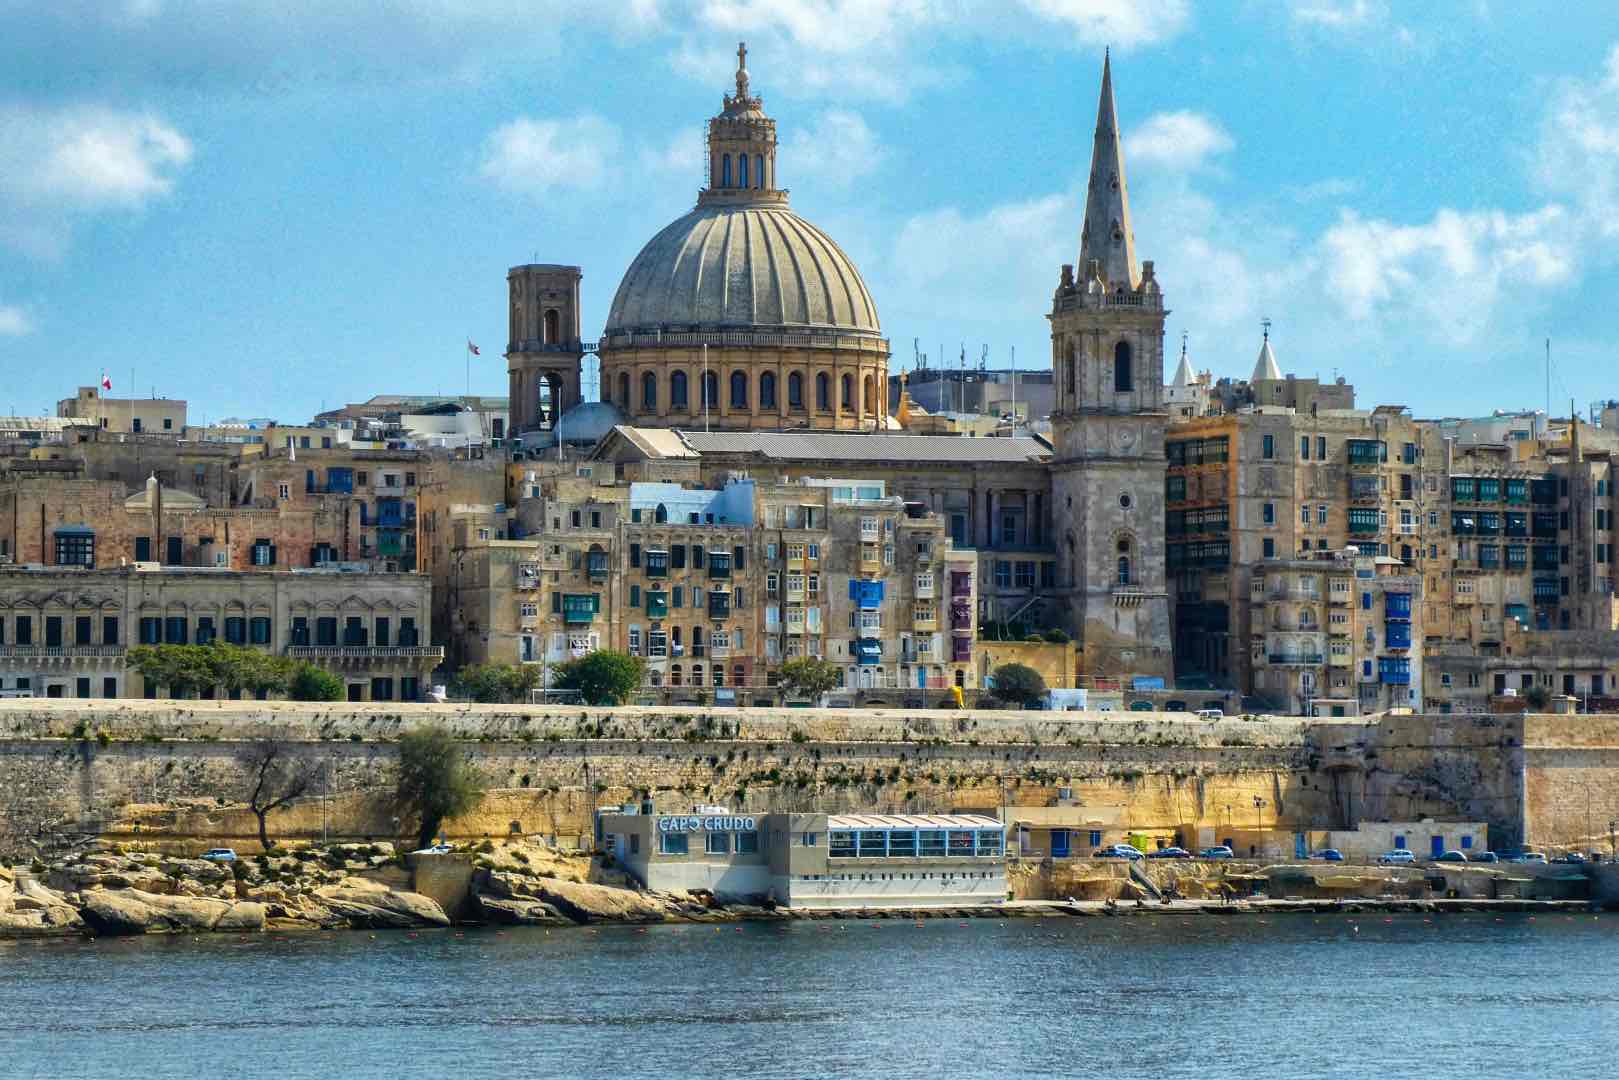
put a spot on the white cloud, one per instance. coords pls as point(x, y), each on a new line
point(1448, 275)
point(834, 151)
point(1005, 260)
point(14, 321)
point(886, 49)
point(534, 157)
point(1340, 14)
point(1121, 23)
point(681, 154)
point(1176, 141)
point(1577, 155)
point(1327, 190)
point(60, 163)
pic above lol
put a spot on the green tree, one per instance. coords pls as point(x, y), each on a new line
point(1537, 697)
point(1057, 636)
point(309, 682)
point(498, 683)
point(604, 677)
point(183, 669)
point(1019, 684)
point(436, 781)
point(237, 668)
point(810, 677)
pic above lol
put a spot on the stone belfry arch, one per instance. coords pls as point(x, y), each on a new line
point(543, 350)
point(1107, 344)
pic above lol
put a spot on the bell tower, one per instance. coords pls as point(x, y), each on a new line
point(543, 352)
point(1107, 353)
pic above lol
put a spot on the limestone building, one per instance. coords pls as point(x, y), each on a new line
point(1107, 464)
point(65, 631)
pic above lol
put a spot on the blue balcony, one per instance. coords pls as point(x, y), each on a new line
point(1394, 672)
point(1397, 605)
point(1397, 635)
point(867, 595)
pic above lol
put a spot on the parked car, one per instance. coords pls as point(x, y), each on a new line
point(1487, 856)
point(1170, 853)
point(1219, 851)
point(1117, 851)
point(435, 849)
point(1531, 856)
point(1451, 856)
point(1211, 714)
point(1570, 857)
point(220, 854)
point(1328, 855)
point(1397, 856)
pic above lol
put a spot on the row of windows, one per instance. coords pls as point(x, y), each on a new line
point(1021, 574)
point(54, 628)
point(718, 561)
point(739, 391)
point(914, 843)
point(259, 630)
point(741, 175)
point(714, 843)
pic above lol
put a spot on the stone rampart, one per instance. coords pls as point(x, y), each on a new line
point(172, 769)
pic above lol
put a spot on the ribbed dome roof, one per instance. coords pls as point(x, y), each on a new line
point(742, 266)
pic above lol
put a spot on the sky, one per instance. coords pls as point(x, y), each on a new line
point(271, 209)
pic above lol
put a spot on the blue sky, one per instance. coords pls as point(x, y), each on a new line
point(270, 209)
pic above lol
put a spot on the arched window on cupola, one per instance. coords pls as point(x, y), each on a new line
point(624, 390)
point(869, 400)
point(711, 390)
point(725, 173)
point(742, 161)
point(767, 390)
point(823, 392)
point(759, 171)
point(649, 391)
point(1123, 378)
point(677, 390)
point(795, 390)
point(739, 390)
point(847, 393)
point(1068, 371)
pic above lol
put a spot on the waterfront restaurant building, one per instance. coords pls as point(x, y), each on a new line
point(815, 860)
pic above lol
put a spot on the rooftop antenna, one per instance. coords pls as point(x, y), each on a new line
point(1014, 387)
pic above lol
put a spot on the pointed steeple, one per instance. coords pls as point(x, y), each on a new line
point(1183, 374)
point(1106, 236)
point(1265, 367)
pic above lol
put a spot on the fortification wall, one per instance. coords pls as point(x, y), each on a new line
point(172, 769)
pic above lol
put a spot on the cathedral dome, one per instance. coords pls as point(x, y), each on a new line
point(741, 266)
point(741, 315)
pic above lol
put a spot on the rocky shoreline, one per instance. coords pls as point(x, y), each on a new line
point(102, 892)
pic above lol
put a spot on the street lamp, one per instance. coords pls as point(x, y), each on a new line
point(1259, 808)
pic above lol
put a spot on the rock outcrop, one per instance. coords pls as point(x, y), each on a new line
point(129, 911)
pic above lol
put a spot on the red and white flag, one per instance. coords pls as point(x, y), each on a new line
point(106, 383)
point(471, 348)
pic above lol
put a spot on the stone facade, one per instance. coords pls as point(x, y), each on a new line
point(65, 632)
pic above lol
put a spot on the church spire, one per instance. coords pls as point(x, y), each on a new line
point(1183, 374)
point(1107, 238)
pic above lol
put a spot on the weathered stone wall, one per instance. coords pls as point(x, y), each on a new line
point(165, 769)
point(1571, 781)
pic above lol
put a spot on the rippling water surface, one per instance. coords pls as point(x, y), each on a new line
point(1163, 997)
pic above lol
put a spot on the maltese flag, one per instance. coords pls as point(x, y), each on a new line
point(106, 383)
point(471, 348)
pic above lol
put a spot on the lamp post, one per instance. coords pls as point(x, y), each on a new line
point(1259, 809)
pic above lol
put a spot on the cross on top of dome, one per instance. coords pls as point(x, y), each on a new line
point(743, 101)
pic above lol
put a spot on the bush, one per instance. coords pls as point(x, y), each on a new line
point(1018, 684)
point(604, 677)
point(1057, 636)
point(311, 683)
point(809, 677)
point(435, 780)
point(497, 684)
point(1034, 639)
point(1537, 697)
